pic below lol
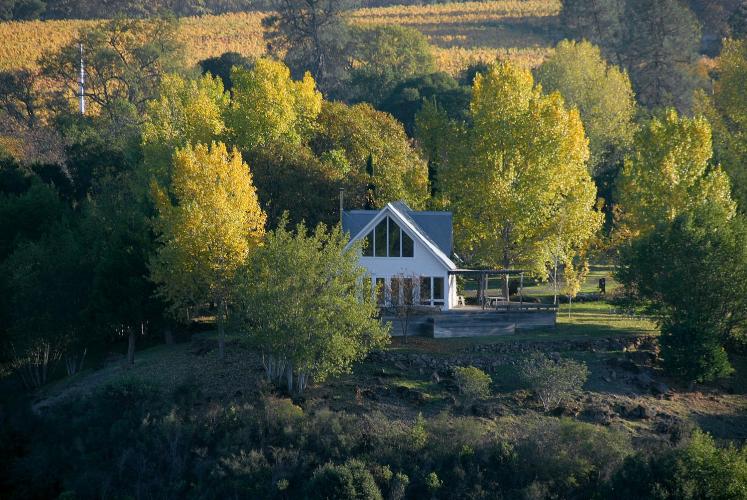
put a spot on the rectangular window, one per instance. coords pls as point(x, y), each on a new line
point(408, 291)
point(394, 291)
point(438, 291)
point(407, 245)
point(368, 248)
point(425, 291)
point(394, 240)
point(380, 291)
point(380, 239)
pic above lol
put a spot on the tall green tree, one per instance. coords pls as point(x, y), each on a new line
point(306, 303)
point(661, 39)
point(523, 169)
point(116, 221)
point(314, 36)
point(601, 92)
point(293, 180)
point(223, 65)
point(125, 60)
point(21, 10)
point(406, 100)
point(692, 272)
point(209, 221)
point(669, 172)
point(385, 56)
point(370, 148)
point(598, 21)
point(47, 288)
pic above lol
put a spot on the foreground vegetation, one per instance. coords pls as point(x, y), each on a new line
point(388, 430)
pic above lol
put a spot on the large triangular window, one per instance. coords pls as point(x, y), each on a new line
point(387, 239)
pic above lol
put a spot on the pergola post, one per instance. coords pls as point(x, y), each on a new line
point(521, 290)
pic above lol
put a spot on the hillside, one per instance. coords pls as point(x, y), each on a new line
point(462, 32)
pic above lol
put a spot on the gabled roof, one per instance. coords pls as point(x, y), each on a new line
point(433, 229)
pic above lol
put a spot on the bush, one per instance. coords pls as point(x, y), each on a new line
point(699, 470)
point(343, 482)
point(472, 382)
point(553, 381)
point(563, 457)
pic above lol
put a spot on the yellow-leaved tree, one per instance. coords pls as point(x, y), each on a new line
point(521, 191)
point(269, 107)
point(185, 112)
point(209, 221)
point(669, 173)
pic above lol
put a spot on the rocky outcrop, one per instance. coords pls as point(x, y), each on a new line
point(489, 357)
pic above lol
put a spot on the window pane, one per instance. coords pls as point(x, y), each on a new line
point(407, 245)
point(394, 289)
point(425, 290)
point(394, 250)
point(369, 245)
point(380, 239)
point(408, 291)
point(380, 291)
point(438, 289)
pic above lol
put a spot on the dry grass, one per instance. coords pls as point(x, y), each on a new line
point(462, 32)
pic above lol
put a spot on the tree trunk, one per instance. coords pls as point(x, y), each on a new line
point(221, 331)
point(289, 378)
point(555, 283)
point(131, 347)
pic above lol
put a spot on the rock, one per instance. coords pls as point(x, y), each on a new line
point(660, 388)
point(435, 378)
point(641, 412)
point(644, 358)
point(481, 410)
point(555, 356)
point(399, 366)
point(597, 415)
point(643, 380)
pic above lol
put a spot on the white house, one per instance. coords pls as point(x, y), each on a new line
point(407, 244)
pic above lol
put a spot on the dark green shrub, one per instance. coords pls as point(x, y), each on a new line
point(700, 470)
point(565, 456)
point(351, 481)
point(472, 382)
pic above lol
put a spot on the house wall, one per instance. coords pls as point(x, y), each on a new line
point(422, 263)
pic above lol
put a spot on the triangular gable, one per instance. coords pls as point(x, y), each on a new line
point(412, 229)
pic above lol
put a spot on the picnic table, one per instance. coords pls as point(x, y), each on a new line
point(492, 301)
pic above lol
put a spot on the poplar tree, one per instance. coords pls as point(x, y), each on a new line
point(669, 173)
point(185, 112)
point(209, 221)
point(525, 170)
point(269, 107)
point(601, 92)
point(726, 110)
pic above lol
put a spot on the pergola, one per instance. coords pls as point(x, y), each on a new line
point(485, 274)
